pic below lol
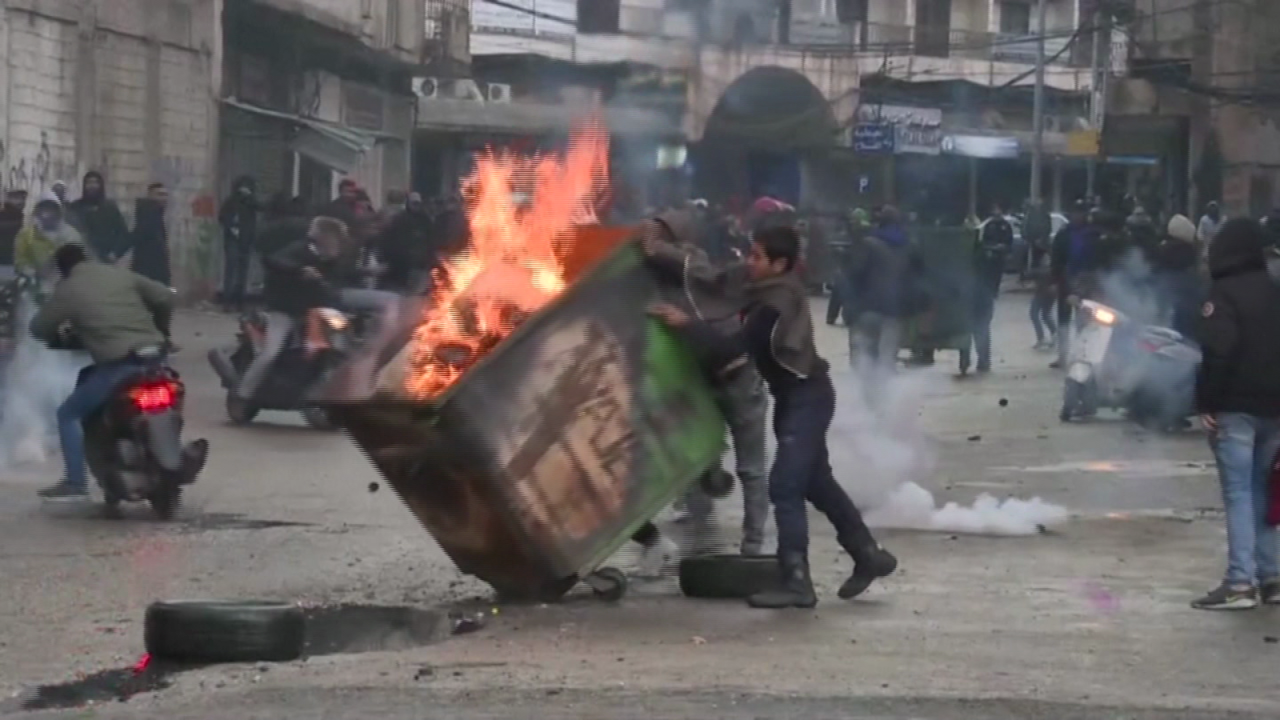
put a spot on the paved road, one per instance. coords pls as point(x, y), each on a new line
point(1090, 620)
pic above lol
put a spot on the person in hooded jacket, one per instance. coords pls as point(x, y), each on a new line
point(37, 242)
point(1073, 257)
point(1177, 269)
point(1238, 398)
point(238, 217)
point(99, 219)
point(151, 236)
point(716, 296)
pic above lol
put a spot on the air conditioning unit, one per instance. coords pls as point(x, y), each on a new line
point(467, 90)
point(499, 92)
point(426, 87)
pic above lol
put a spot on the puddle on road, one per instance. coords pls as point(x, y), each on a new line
point(333, 630)
point(1143, 468)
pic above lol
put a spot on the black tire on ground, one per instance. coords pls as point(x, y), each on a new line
point(240, 412)
point(727, 577)
point(214, 631)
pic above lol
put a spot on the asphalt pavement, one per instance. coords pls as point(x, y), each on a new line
point(1089, 620)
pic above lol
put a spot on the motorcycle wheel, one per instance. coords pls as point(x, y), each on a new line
point(165, 501)
point(240, 412)
point(318, 418)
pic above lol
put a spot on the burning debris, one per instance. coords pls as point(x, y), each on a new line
point(513, 264)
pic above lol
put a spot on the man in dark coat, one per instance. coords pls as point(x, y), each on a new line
point(99, 219)
point(409, 248)
point(12, 218)
point(151, 235)
point(1238, 398)
point(995, 243)
point(239, 220)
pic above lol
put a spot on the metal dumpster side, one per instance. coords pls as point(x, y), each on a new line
point(549, 453)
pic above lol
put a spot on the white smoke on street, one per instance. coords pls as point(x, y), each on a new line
point(893, 456)
point(35, 383)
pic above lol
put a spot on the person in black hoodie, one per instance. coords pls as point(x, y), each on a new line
point(99, 219)
point(778, 335)
point(12, 218)
point(239, 220)
point(1238, 397)
point(151, 236)
point(408, 246)
point(995, 243)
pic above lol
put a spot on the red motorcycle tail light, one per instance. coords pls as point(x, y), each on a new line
point(154, 397)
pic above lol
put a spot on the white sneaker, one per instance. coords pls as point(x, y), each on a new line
point(659, 557)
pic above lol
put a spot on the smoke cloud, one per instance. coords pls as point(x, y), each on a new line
point(35, 383)
point(893, 455)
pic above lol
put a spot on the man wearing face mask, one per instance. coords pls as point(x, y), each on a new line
point(37, 242)
point(239, 219)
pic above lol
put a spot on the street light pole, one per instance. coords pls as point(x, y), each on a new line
point(1097, 98)
point(1037, 150)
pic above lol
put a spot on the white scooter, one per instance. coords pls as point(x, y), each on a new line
point(1117, 362)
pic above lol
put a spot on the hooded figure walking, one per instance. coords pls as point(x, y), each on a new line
point(99, 219)
point(151, 236)
point(239, 219)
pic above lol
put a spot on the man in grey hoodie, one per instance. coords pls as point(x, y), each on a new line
point(716, 297)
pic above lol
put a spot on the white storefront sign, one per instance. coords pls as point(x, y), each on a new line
point(916, 130)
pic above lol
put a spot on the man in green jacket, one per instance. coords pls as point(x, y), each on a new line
point(115, 313)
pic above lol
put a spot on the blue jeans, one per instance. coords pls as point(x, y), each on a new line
point(1245, 446)
point(100, 381)
point(802, 468)
point(1042, 316)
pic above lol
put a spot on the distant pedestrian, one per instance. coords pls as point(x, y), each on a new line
point(99, 219)
point(991, 254)
point(239, 220)
point(1210, 224)
point(1238, 397)
point(12, 218)
point(151, 235)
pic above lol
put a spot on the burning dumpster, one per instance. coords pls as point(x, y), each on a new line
point(533, 448)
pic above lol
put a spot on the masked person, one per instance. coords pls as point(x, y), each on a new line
point(714, 296)
point(1072, 258)
point(298, 278)
point(1238, 397)
point(99, 219)
point(151, 236)
point(238, 217)
point(36, 243)
point(115, 313)
point(778, 335)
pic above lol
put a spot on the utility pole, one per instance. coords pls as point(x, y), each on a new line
point(1097, 95)
point(1037, 150)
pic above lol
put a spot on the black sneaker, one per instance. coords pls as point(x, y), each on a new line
point(869, 566)
point(1270, 591)
point(1228, 597)
point(64, 491)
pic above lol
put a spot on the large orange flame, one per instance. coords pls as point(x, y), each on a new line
point(512, 265)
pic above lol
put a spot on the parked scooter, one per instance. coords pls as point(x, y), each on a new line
point(1117, 362)
point(316, 347)
point(133, 444)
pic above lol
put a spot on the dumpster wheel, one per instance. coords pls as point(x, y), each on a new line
point(608, 583)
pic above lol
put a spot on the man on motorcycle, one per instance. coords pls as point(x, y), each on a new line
point(298, 278)
point(115, 313)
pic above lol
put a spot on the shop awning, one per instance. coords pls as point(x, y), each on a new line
point(337, 146)
point(449, 115)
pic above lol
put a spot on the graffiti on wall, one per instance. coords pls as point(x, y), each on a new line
point(34, 170)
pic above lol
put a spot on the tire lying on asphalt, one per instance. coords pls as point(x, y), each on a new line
point(727, 577)
point(217, 631)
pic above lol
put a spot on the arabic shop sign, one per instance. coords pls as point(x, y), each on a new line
point(873, 138)
point(915, 130)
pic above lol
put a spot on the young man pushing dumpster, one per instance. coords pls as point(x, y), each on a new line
point(777, 333)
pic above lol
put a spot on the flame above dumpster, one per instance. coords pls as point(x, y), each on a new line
point(512, 264)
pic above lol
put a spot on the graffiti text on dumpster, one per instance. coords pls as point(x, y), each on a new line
point(573, 468)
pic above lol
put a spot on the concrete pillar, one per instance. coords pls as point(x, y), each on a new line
point(86, 88)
